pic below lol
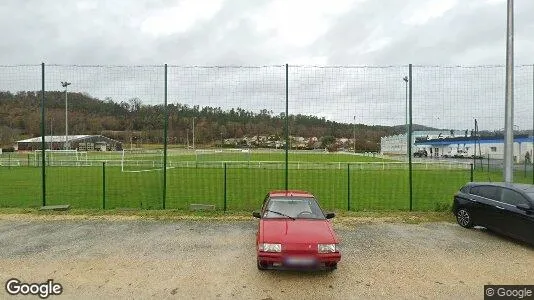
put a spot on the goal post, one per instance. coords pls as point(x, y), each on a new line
point(221, 155)
point(141, 160)
point(61, 157)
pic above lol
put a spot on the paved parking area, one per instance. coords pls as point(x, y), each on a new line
point(119, 258)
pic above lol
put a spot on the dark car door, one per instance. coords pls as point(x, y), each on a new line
point(483, 210)
point(514, 221)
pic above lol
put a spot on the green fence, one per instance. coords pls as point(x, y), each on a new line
point(237, 186)
point(166, 137)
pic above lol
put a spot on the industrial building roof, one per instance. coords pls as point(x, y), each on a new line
point(472, 140)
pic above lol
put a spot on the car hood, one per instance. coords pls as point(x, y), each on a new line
point(297, 231)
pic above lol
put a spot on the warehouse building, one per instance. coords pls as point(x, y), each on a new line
point(74, 142)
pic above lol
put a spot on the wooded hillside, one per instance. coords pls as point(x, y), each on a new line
point(20, 118)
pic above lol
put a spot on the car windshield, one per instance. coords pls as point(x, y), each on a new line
point(293, 208)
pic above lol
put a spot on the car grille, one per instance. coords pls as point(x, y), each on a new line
point(300, 248)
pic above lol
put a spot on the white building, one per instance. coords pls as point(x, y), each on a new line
point(397, 144)
point(492, 147)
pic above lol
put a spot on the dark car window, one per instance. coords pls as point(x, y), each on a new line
point(465, 189)
point(294, 207)
point(512, 197)
point(486, 191)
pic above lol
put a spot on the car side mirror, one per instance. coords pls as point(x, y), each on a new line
point(256, 214)
point(523, 206)
point(330, 215)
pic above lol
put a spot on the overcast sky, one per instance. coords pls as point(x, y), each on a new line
point(263, 32)
point(275, 32)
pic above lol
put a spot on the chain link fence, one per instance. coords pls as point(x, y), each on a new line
point(156, 137)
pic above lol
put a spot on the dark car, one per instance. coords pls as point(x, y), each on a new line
point(420, 153)
point(507, 208)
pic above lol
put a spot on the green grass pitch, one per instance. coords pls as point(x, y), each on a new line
point(362, 187)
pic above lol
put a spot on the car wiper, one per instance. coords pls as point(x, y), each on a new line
point(279, 213)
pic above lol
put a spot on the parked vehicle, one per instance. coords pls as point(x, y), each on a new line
point(420, 153)
point(507, 208)
point(294, 233)
point(460, 153)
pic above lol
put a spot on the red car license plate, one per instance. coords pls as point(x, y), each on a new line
point(300, 261)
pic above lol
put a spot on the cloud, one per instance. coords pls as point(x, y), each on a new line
point(372, 35)
point(430, 10)
point(180, 18)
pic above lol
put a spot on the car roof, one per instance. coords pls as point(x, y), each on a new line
point(527, 188)
point(290, 193)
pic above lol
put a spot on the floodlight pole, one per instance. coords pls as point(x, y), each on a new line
point(187, 137)
point(65, 85)
point(50, 144)
point(354, 131)
point(509, 92)
point(193, 133)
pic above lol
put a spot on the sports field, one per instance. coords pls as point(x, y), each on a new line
point(135, 180)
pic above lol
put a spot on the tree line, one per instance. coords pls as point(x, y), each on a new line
point(133, 120)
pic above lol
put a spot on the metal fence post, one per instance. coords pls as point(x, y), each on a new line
point(471, 176)
point(410, 179)
point(348, 187)
point(225, 189)
point(287, 129)
point(165, 125)
point(103, 185)
point(43, 168)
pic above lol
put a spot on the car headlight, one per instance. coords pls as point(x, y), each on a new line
point(327, 248)
point(266, 247)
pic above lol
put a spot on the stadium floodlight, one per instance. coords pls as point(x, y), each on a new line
point(65, 85)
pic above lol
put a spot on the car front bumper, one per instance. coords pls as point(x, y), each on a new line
point(285, 261)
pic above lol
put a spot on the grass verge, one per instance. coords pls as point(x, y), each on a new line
point(342, 218)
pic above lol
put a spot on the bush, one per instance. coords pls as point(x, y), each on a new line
point(8, 149)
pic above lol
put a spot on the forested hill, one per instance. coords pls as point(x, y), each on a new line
point(20, 118)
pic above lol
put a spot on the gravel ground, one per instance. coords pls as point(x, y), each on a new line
point(118, 258)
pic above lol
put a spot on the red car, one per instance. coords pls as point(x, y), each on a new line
point(294, 233)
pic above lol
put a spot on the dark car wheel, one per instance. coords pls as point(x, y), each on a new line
point(463, 217)
point(262, 266)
